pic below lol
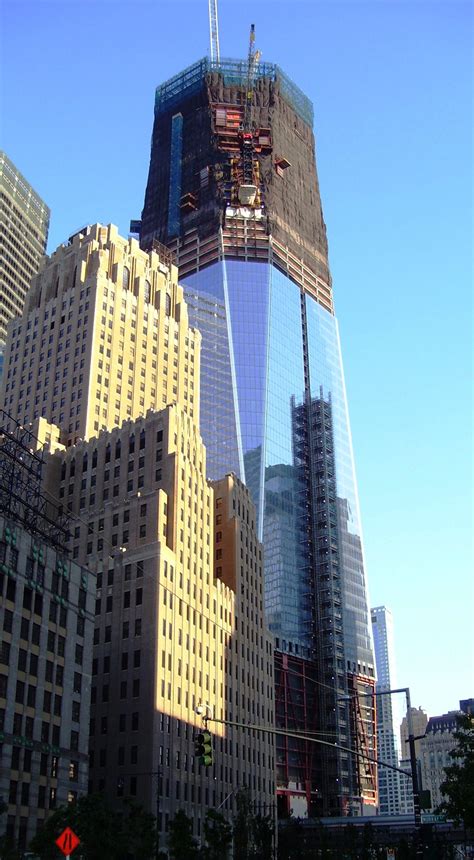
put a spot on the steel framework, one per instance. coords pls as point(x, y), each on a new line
point(21, 496)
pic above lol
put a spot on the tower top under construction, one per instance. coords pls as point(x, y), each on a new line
point(233, 172)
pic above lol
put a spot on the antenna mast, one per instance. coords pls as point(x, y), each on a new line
point(214, 31)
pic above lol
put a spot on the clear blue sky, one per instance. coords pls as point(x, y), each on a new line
point(392, 87)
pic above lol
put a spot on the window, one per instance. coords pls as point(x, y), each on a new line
point(125, 278)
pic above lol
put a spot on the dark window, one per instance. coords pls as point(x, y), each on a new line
point(20, 692)
point(27, 598)
point(11, 590)
point(5, 653)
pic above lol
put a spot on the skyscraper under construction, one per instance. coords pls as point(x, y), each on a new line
point(233, 191)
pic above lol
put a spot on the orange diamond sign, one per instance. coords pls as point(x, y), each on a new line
point(68, 841)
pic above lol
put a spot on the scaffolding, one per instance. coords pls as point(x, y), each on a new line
point(22, 499)
point(234, 73)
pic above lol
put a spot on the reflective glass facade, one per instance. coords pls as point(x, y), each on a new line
point(271, 364)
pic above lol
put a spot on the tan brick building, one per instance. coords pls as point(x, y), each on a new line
point(100, 339)
point(179, 608)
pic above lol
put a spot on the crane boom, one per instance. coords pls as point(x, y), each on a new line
point(214, 31)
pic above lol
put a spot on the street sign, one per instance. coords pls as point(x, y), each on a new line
point(429, 818)
point(67, 842)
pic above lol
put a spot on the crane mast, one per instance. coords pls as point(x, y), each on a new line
point(214, 31)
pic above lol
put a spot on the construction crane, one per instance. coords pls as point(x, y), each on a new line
point(214, 31)
point(248, 189)
point(252, 63)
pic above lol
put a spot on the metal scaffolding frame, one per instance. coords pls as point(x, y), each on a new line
point(22, 499)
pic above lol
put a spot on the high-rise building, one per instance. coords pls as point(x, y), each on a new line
point(419, 721)
point(233, 191)
point(113, 379)
point(388, 780)
point(24, 224)
point(47, 624)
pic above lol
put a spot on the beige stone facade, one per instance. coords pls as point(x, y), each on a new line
point(179, 617)
point(179, 611)
point(104, 337)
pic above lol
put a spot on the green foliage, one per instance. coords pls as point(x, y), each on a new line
point(8, 850)
point(181, 842)
point(458, 787)
point(253, 834)
point(217, 836)
point(104, 834)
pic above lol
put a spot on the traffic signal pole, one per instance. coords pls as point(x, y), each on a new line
point(272, 731)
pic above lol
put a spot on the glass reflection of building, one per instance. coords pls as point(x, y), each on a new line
point(273, 403)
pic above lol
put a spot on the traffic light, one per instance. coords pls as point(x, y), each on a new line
point(203, 748)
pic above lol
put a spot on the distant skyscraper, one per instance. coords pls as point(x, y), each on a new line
point(389, 780)
point(419, 723)
point(24, 224)
point(233, 191)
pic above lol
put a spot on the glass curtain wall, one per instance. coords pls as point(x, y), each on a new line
point(268, 352)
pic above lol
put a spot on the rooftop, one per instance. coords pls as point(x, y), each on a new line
point(234, 72)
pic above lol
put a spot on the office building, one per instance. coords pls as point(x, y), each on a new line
point(435, 748)
point(387, 746)
point(47, 626)
point(24, 224)
point(84, 355)
point(233, 192)
point(419, 721)
point(179, 609)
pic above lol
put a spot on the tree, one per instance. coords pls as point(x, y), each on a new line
point(263, 832)
point(458, 787)
point(242, 826)
point(253, 834)
point(217, 836)
point(104, 834)
point(181, 842)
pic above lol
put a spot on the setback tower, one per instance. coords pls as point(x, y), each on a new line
point(233, 191)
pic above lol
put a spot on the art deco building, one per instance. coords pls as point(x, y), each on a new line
point(85, 352)
point(46, 629)
point(233, 191)
point(179, 609)
point(435, 748)
point(389, 780)
point(24, 224)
